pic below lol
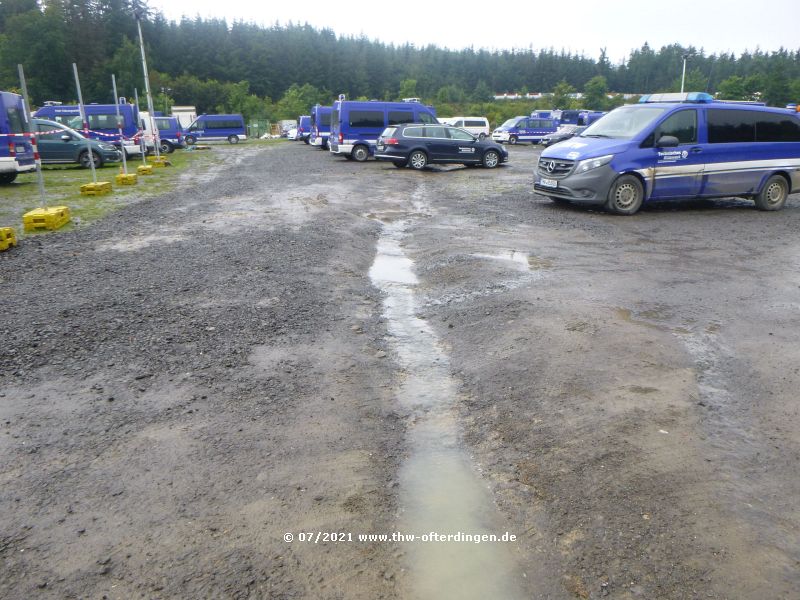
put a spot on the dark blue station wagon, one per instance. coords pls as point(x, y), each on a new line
point(420, 144)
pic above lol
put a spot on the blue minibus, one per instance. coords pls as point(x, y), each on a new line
point(209, 128)
point(304, 128)
point(525, 129)
point(102, 121)
point(16, 150)
point(320, 125)
point(672, 146)
point(356, 125)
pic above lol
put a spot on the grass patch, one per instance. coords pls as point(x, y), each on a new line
point(62, 187)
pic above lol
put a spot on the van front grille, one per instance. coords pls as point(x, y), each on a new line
point(555, 167)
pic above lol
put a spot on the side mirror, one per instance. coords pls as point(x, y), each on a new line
point(667, 141)
point(66, 137)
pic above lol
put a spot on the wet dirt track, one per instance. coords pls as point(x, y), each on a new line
point(190, 379)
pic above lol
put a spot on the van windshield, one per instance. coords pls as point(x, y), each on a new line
point(510, 123)
point(625, 122)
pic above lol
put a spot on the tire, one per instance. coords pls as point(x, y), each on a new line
point(191, 140)
point(491, 159)
point(773, 195)
point(625, 196)
point(83, 159)
point(234, 139)
point(481, 137)
point(512, 140)
point(307, 141)
point(418, 160)
point(400, 164)
point(360, 153)
point(166, 147)
point(7, 177)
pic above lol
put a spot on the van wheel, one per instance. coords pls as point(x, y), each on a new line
point(191, 140)
point(360, 153)
point(512, 140)
point(7, 177)
point(83, 159)
point(166, 147)
point(491, 159)
point(625, 196)
point(233, 139)
point(418, 160)
point(773, 195)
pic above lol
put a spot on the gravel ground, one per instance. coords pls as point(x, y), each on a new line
point(192, 377)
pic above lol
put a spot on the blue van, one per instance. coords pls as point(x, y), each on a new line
point(170, 134)
point(210, 128)
point(356, 125)
point(524, 129)
point(16, 150)
point(102, 121)
point(320, 125)
point(673, 146)
point(304, 128)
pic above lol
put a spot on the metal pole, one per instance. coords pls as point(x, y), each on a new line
point(39, 174)
point(142, 146)
point(119, 124)
point(85, 122)
point(156, 137)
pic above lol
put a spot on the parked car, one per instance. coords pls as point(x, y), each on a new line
point(420, 144)
point(564, 133)
point(477, 126)
point(524, 129)
point(16, 150)
point(58, 144)
point(291, 134)
point(170, 132)
point(209, 128)
point(304, 128)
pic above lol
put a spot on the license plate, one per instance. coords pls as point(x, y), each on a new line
point(551, 183)
point(379, 147)
point(20, 149)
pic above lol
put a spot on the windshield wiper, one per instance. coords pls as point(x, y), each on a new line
point(596, 135)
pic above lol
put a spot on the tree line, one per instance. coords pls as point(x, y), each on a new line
point(281, 71)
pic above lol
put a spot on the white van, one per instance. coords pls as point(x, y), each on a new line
point(475, 125)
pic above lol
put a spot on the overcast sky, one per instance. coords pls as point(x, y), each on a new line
point(579, 26)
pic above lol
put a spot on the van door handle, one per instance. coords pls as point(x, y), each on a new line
point(696, 150)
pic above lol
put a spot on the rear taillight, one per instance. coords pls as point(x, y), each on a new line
point(341, 138)
point(391, 142)
point(178, 135)
point(12, 149)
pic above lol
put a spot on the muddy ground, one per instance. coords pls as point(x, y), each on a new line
point(195, 376)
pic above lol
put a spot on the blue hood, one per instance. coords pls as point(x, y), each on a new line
point(579, 148)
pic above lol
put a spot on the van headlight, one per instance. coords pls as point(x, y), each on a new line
point(593, 163)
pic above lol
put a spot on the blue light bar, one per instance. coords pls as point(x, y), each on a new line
point(701, 97)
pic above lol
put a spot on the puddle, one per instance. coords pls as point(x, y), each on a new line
point(440, 492)
point(518, 259)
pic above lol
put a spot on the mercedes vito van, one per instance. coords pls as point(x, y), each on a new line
point(673, 146)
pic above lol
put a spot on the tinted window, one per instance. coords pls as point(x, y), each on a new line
point(460, 134)
point(435, 132)
point(682, 125)
point(415, 132)
point(162, 124)
point(325, 119)
point(108, 121)
point(728, 126)
point(16, 123)
point(427, 118)
point(223, 124)
point(49, 132)
point(366, 118)
point(771, 127)
point(475, 124)
point(398, 117)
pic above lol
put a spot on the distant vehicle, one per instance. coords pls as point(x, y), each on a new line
point(418, 145)
point(170, 133)
point(564, 132)
point(524, 129)
point(214, 128)
point(477, 126)
point(672, 146)
point(356, 125)
point(16, 150)
point(58, 144)
point(304, 128)
point(102, 120)
point(320, 125)
point(291, 134)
